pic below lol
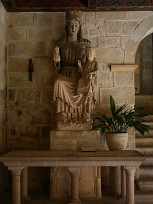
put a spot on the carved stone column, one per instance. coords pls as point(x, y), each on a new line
point(16, 188)
point(98, 184)
point(75, 173)
point(123, 182)
point(129, 184)
point(24, 184)
point(115, 180)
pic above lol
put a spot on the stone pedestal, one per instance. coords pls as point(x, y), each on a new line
point(73, 140)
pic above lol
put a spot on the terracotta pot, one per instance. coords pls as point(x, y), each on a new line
point(116, 141)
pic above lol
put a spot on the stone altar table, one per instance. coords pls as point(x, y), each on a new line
point(16, 161)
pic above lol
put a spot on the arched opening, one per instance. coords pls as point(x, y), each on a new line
point(144, 73)
point(144, 76)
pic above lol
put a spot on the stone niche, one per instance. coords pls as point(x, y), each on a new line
point(60, 177)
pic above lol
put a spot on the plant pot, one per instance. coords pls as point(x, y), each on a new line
point(116, 141)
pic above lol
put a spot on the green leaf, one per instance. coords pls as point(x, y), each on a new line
point(112, 105)
point(119, 120)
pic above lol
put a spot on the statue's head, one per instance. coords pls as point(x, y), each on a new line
point(73, 23)
point(90, 54)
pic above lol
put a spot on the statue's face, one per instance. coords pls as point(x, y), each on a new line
point(73, 28)
point(90, 54)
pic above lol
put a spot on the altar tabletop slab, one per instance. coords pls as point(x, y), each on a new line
point(72, 158)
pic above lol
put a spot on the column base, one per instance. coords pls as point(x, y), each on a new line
point(25, 197)
point(76, 202)
point(130, 203)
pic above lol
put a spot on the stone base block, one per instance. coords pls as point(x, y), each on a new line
point(74, 140)
point(60, 177)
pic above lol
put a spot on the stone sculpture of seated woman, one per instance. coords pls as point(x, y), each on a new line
point(75, 82)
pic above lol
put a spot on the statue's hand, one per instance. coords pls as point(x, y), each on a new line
point(56, 55)
point(79, 64)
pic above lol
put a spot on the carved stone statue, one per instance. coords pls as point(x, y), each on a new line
point(75, 82)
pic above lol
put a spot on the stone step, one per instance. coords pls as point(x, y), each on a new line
point(148, 118)
point(147, 151)
point(144, 142)
point(146, 135)
point(149, 123)
point(146, 171)
point(146, 196)
point(145, 184)
point(148, 161)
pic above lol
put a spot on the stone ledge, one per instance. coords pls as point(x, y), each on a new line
point(123, 67)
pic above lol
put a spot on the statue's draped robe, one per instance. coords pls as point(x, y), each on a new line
point(69, 80)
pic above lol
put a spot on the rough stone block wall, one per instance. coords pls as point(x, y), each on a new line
point(32, 35)
point(30, 103)
point(3, 170)
point(3, 26)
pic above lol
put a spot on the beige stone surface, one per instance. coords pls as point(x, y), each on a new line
point(109, 55)
point(120, 94)
point(124, 68)
point(105, 79)
point(18, 20)
point(74, 140)
point(120, 28)
point(138, 15)
point(16, 34)
point(44, 34)
point(124, 79)
point(31, 34)
point(17, 48)
point(20, 79)
point(124, 41)
point(37, 49)
point(95, 28)
point(111, 15)
point(17, 64)
point(44, 19)
point(109, 42)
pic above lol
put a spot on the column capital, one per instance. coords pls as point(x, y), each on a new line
point(130, 170)
point(15, 170)
point(75, 171)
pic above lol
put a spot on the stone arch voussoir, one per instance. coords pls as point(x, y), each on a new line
point(143, 29)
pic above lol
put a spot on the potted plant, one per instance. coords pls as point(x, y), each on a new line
point(116, 124)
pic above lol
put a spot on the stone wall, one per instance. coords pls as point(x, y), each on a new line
point(32, 35)
point(3, 170)
point(2, 78)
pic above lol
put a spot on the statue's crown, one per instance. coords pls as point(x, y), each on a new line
point(73, 15)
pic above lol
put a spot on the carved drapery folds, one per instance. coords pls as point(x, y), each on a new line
point(75, 85)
